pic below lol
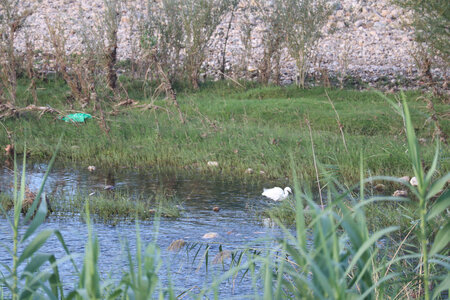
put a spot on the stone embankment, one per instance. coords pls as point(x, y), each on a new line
point(363, 39)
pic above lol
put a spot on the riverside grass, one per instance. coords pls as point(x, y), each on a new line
point(108, 207)
point(344, 260)
point(244, 127)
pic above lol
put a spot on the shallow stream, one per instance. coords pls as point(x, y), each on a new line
point(236, 223)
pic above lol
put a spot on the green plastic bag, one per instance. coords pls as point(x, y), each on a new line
point(77, 118)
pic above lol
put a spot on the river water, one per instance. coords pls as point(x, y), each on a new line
point(236, 224)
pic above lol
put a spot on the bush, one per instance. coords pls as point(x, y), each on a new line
point(431, 21)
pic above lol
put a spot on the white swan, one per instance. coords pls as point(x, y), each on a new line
point(277, 193)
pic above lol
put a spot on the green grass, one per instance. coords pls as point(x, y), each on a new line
point(109, 207)
point(117, 206)
point(252, 127)
point(333, 255)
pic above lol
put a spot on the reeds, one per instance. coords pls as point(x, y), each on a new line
point(232, 126)
point(334, 256)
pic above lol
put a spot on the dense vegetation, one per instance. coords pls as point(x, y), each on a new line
point(343, 261)
point(159, 113)
point(239, 127)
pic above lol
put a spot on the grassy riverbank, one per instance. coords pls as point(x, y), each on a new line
point(239, 127)
point(333, 253)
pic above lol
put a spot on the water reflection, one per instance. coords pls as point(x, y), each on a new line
point(235, 223)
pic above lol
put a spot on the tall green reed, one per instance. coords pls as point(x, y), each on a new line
point(431, 200)
point(335, 256)
point(26, 279)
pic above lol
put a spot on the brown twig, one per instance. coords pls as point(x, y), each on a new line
point(232, 79)
point(398, 249)
point(8, 109)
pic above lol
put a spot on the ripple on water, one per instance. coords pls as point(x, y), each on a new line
point(235, 224)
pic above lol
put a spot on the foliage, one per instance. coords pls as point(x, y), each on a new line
point(12, 19)
point(176, 34)
point(273, 39)
point(431, 21)
point(303, 21)
point(90, 72)
point(27, 278)
point(252, 127)
point(334, 256)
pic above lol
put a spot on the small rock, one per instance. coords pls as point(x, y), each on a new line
point(394, 14)
point(252, 69)
point(359, 23)
point(216, 208)
point(379, 25)
point(91, 168)
point(340, 25)
point(176, 245)
point(262, 172)
point(249, 171)
point(210, 235)
point(414, 181)
point(268, 222)
point(213, 163)
point(400, 193)
point(380, 187)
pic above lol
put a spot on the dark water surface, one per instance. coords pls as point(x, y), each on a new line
point(236, 224)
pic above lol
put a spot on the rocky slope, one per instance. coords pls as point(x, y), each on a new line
point(364, 39)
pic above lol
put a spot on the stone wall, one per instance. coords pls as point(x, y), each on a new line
point(367, 34)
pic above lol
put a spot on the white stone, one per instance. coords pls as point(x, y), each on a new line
point(213, 163)
point(210, 235)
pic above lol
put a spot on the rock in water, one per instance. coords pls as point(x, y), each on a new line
point(210, 235)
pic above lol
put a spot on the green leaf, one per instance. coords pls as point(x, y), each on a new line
point(66, 249)
point(441, 240)
point(36, 262)
point(18, 201)
point(433, 167)
point(366, 245)
point(439, 206)
point(34, 245)
point(440, 262)
point(268, 280)
point(413, 146)
point(438, 185)
point(378, 283)
point(443, 286)
point(38, 219)
point(49, 293)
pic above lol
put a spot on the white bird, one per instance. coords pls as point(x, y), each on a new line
point(277, 193)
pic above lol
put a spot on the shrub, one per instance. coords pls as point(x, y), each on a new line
point(12, 19)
